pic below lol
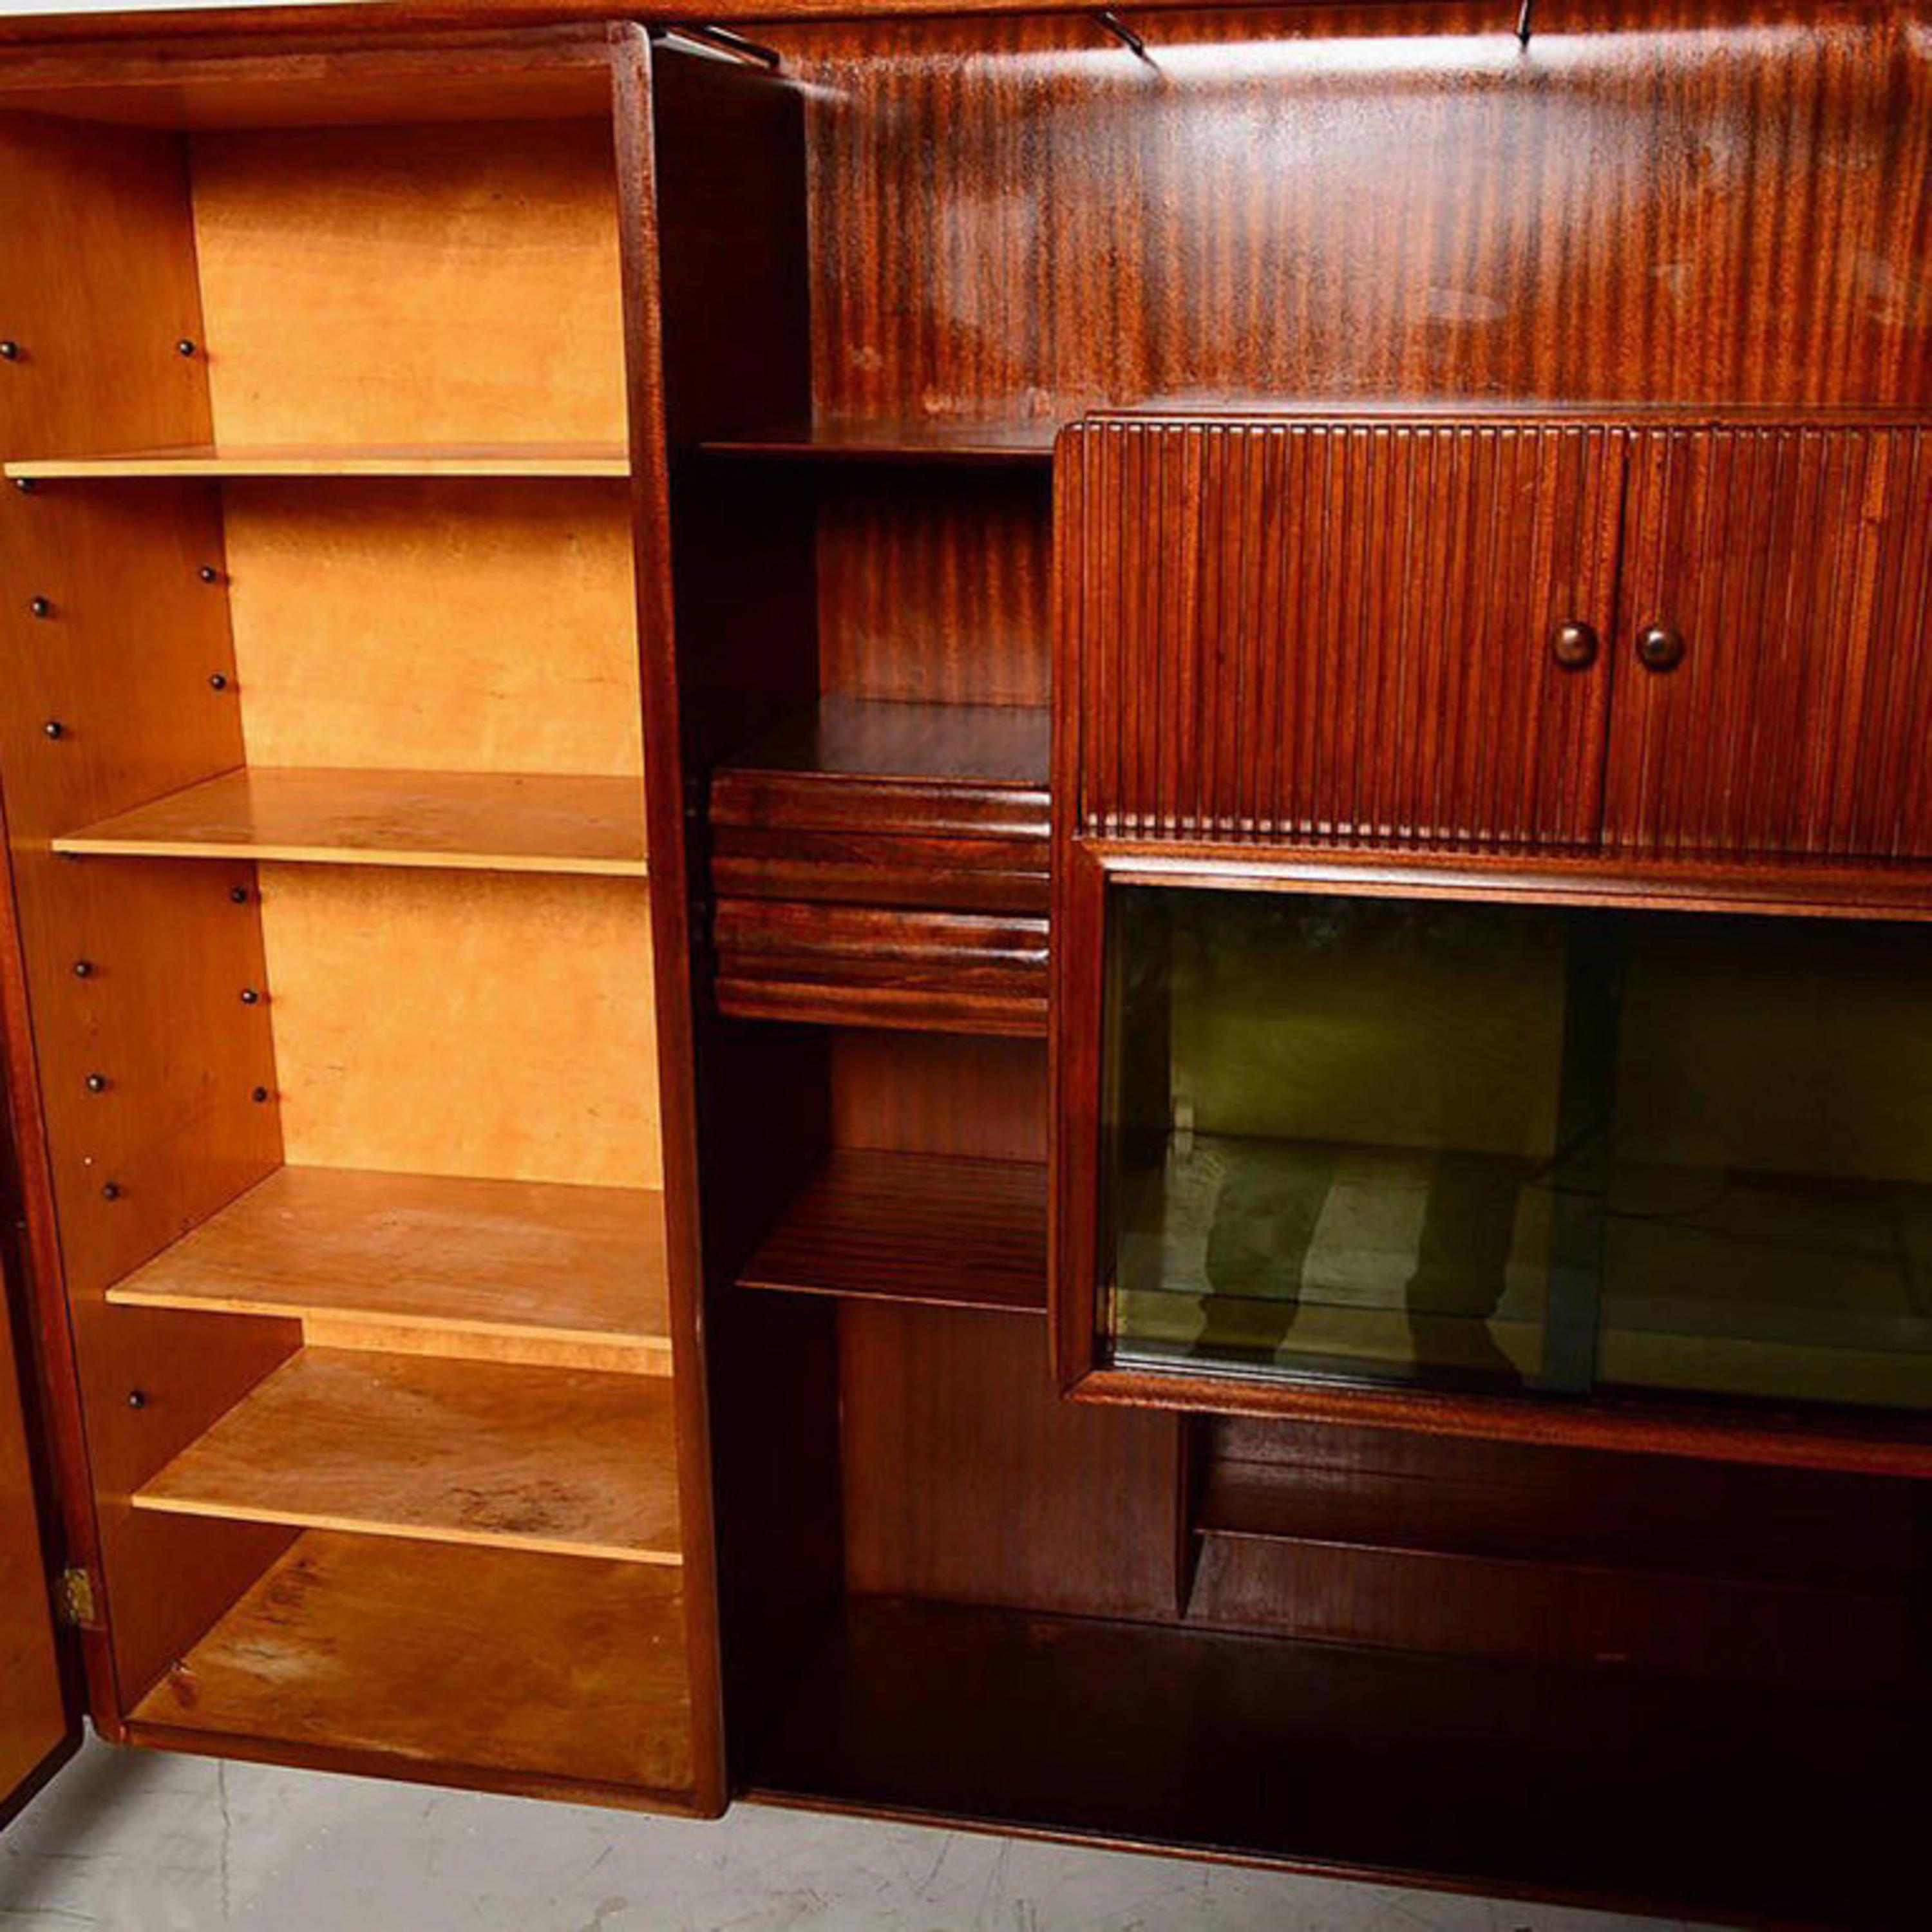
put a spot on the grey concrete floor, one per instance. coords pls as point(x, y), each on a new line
point(138, 1841)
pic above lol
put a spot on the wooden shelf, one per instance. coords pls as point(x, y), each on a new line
point(860, 741)
point(916, 1228)
point(1267, 1503)
point(1027, 444)
point(518, 1260)
point(480, 821)
point(308, 459)
point(569, 1461)
point(553, 1667)
point(1683, 1799)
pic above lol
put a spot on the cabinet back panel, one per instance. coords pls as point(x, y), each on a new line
point(966, 1478)
point(447, 284)
point(1017, 218)
point(446, 625)
point(935, 588)
point(479, 1024)
point(907, 1092)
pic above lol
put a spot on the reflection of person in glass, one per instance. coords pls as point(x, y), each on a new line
point(1268, 1202)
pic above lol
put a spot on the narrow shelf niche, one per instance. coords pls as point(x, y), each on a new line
point(928, 1229)
point(1025, 443)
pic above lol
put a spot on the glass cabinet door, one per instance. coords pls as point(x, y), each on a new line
point(1515, 1148)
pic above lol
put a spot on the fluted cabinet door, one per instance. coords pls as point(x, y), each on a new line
point(1775, 673)
point(1382, 631)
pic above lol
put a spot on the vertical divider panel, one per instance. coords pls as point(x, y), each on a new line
point(712, 161)
point(135, 1060)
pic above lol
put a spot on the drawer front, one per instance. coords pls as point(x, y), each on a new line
point(882, 967)
point(1344, 631)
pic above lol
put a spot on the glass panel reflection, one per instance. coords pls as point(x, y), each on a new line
point(1518, 1148)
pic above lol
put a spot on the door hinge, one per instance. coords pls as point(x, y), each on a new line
point(75, 1601)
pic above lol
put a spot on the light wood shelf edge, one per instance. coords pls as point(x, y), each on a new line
point(563, 460)
point(556, 1462)
point(450, 821)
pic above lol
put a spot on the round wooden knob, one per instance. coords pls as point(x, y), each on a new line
point(1573, 645)
point(1660, 648)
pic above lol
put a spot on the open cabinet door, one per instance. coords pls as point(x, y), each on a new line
point(38, 1729)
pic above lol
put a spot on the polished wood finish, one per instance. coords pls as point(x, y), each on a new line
point(881, 804)
point(420, 1253)
point(1794, 563)
point(882, 966)
point(1354, 620)
point(912, 1227)
point(966, 1478)
point(436, 1656)
point(514, 1457)
point(1483, 1777)
point(1393, 204)
point(1656, 1565)
point(926, 245)
point(911, 439)
point(463, 821)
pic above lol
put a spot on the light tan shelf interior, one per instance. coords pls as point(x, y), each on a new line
point(431, 1263)
point(533, 460)
point(477, 821)
point(572, 1462)
point(442, 1655)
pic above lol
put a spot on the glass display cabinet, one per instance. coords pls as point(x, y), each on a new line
point(1491, 991)
point(1415, 1143)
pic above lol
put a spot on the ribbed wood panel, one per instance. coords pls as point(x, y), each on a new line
point(1796, 564)
point(1324, 630)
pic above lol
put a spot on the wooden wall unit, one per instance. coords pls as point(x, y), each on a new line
point(622, 608)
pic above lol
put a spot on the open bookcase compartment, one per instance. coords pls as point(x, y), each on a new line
point(336, 912)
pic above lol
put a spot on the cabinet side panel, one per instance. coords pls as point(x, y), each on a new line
point(34, 1720)
point(130, 975)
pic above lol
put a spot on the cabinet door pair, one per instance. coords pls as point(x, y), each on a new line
point(1690, 641)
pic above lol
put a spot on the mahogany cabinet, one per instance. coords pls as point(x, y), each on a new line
point(1008, 915)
